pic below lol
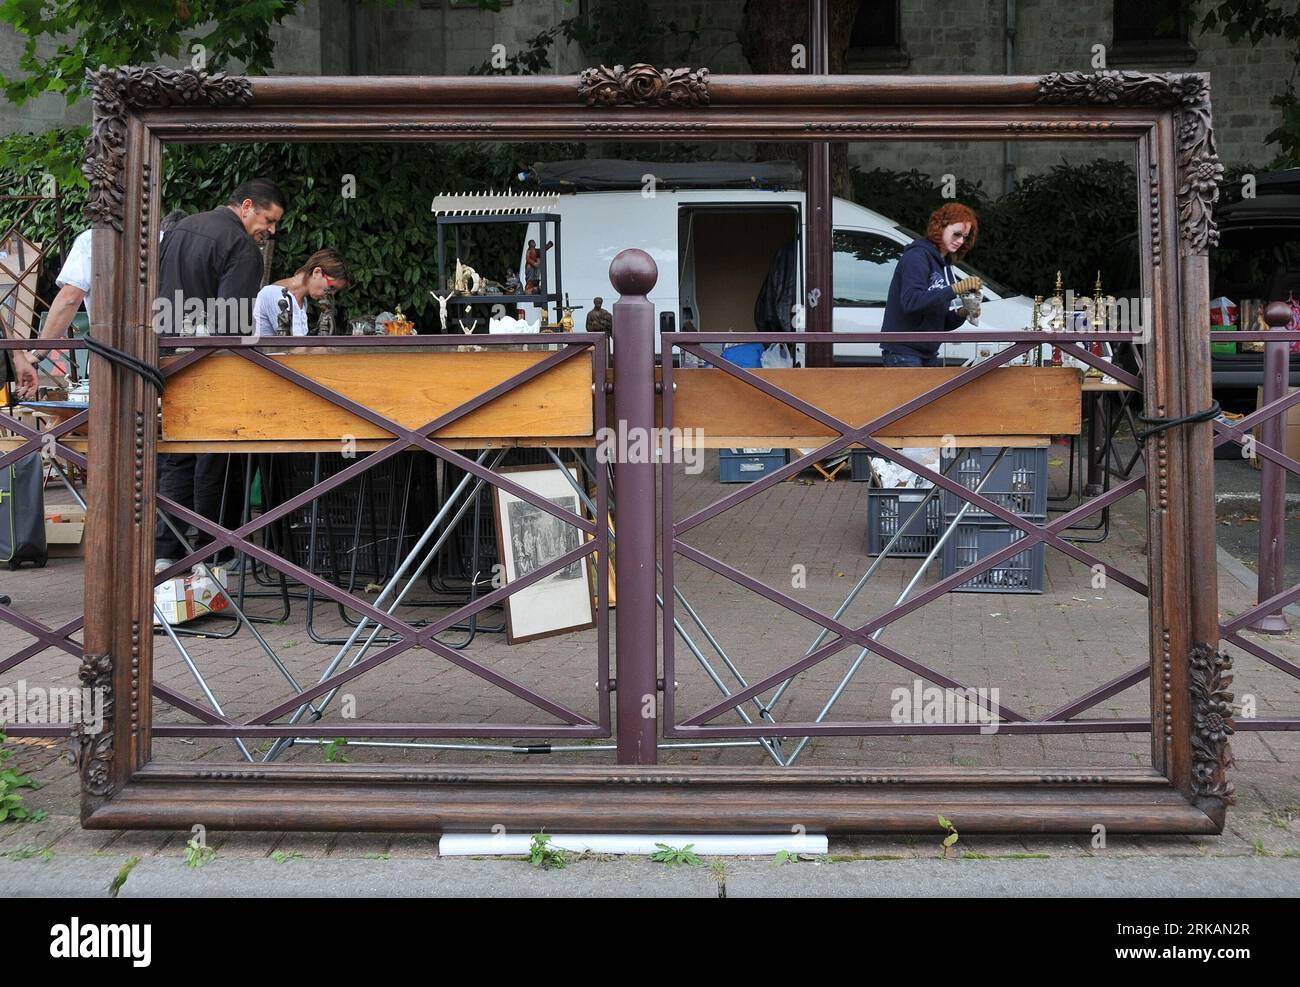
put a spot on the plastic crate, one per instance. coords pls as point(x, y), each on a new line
point(1019, 484)
point(860, 465)
point(888, 507)
point(361, 527)
point(747, 465)
point(340, 556)
point(970, 542)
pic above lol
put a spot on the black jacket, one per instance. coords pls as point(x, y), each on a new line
point(215, 266)
point(774, 307)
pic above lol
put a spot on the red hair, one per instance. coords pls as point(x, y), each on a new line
point(945, 216)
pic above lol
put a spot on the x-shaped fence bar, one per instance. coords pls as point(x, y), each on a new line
point(46, 441)
point(47, 638)
point(1240, 432)
point(849, 434)
point(575, 724)
point(1061, 720)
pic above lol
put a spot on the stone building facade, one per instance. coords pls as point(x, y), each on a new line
point(337, 37)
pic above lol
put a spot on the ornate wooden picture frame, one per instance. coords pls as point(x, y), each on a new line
point(1167, 118)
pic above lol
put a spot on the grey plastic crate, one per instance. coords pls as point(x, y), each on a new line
point(1019, 483)
point(889, 507)
point(972, 541)
point(747, 465)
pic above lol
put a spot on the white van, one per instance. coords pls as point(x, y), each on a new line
point(713, 247)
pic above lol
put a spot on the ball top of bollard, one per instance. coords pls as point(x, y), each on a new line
point(633, 272)
point(1276, 314)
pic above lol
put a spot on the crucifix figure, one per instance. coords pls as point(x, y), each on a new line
point(442, 307)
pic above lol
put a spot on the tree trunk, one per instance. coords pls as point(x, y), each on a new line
point(768, 32)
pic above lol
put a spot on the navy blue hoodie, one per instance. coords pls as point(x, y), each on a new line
point(919, 297)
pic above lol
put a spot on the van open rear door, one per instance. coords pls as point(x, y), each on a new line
point(730, 254)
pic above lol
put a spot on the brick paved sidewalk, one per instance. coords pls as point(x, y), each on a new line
point(1039, 650)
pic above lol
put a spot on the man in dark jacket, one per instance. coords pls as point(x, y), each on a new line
point(923, 292)
point(210, 271)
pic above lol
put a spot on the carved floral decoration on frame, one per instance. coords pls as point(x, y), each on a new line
point(1199, 168)
point(644, 85)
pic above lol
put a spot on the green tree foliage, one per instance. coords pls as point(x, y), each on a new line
point(86, 34)
point(133, 32)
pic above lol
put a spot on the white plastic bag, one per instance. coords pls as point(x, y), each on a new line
point(893, 474)
point(775, 356)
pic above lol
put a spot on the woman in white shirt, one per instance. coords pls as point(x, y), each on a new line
point(281, 310)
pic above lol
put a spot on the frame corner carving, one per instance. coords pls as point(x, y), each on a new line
point(1188, 94)
point(114, 92)
point(93, 752)
point(1212, 724)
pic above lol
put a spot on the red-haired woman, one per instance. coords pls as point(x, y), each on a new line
point(924, 297)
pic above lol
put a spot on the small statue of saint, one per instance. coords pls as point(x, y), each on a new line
point(599, 319)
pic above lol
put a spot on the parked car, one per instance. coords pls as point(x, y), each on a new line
point(1258, 262)
point(714, 228)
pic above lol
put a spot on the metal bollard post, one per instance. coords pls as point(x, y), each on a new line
point(1272, 496)
point(633, 274)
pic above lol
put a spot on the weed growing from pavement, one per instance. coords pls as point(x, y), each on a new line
point(27, 852)
point(719, 869)
point(544, 856)
point(123, 873)
point(281, 857)
point(197, 854)
point(594, 857)
point(951, 838)
point(332, 753)
point(12, 781)
point(674, 856)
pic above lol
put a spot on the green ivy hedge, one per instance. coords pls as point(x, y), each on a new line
point(386, 230)
point(1078, 219)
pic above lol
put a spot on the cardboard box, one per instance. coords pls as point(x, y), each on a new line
point(187, 597)
point(1223, 312)
point(65, 531)
point(1292, 443)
